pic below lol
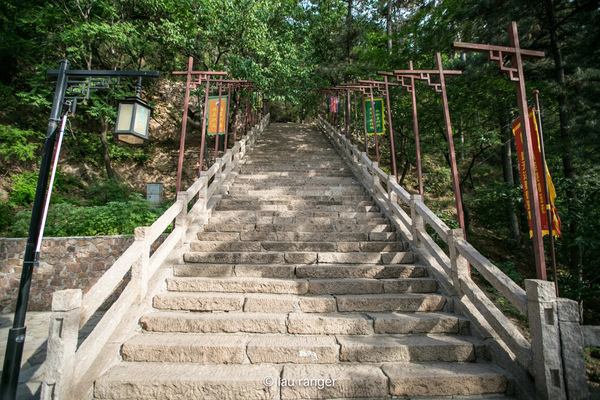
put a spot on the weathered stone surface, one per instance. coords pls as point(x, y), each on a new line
point(328, 324)
point(198, 301)
point(411, 285)
point(334, 381)
point(214, 322)
point(226, 227)
point(253, 236)
point(434, 322)
point(381, 246)
point(265, 271)
point(345, 286)
point(348, 247)
point(317, 304)
point(186, 381)
point(321, 236)
point(405, 348)
point(224, 246)
point(185, 348)
point(353, 271)
point(390, 302)
point(219, 236)
point(270, 303)
point(238, 285)
point(382, 236)
point(397, 258)
point(293, 349)
point(234, 258)
point(444, 379)
point(300, 258)
point(349, 258)
point(203, 270)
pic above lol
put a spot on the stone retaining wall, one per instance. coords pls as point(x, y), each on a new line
point(65, 263)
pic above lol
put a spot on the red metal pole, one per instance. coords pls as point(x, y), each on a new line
point(228, 97)
point(348, 113)
point(218, 121)
point(237, 109)
point(453, 166)
point(538, 244)
point(204, 125)
point(389, 113)
point(416, 132)
point(365, 121)
point(186, 103)
point(549, 208)
point(374, 123)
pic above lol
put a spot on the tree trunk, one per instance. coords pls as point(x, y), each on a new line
point(388, 26)
point(509, 179)
point(106, 157)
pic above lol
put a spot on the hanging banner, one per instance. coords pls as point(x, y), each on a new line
point(258, 100)
point(537, 155)
point(334, 103)
point(213, 113)
point(379, 110)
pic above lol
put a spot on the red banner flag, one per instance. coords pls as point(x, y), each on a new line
point(333, 104)
point(537, 155)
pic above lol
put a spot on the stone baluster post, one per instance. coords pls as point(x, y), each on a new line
point(140, 268)
point(181, 221)
point(572, 349)
point(545, 339)
point(417, 220)
point(62, 344)
point(459, 267)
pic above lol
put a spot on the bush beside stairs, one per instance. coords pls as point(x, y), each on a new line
point(299, 288)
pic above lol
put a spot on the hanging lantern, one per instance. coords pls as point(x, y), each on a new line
point(133, 120)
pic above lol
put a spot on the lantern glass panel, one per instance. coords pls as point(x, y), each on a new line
point(142, 118)
point(124, 117)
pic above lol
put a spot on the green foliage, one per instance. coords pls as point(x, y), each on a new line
point(109, 190)
point(490, 200)
point(18, 144)
point(23, 189)
point(6, 216)
point(112, 218)
point(438, 181)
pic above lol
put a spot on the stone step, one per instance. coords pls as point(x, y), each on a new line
point(293, 349)
point(345, 228)
point(146, 381)
point(298, 258)
point(371, 286)
point(272, 205)
point(248, 246)
point(390, 302)
point(405, 348)
point(182, 322)
point(333, 271)
point(419, 322)
point(194, 301)
point(444, 379)
point(310, 191)
point(296, 214)
point(185, 348)
point(329, 324)
point(238, 285)
point(239, 270)
point(253, 236)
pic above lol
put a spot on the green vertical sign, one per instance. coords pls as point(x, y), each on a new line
point(378, 116)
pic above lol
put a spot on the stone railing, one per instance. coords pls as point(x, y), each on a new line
point(71, 369)
point(552, 365)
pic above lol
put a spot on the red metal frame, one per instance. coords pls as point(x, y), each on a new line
point(515, 74)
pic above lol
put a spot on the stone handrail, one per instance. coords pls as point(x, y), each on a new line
point(71, 370)
point(554, 358)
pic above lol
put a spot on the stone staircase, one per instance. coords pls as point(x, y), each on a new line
point(298, 288)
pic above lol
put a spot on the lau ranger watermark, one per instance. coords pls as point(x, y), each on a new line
point(304, 382)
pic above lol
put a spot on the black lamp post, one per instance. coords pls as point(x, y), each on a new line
point(71, 85)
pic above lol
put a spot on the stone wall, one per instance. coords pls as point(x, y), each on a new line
point(65, 263)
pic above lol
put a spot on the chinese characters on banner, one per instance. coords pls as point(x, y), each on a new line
point(334, 104)
point(379, 110)
point(537, 155)
point(213, 112)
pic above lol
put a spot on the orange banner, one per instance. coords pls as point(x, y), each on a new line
point(213, 112)
point(537, 155)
